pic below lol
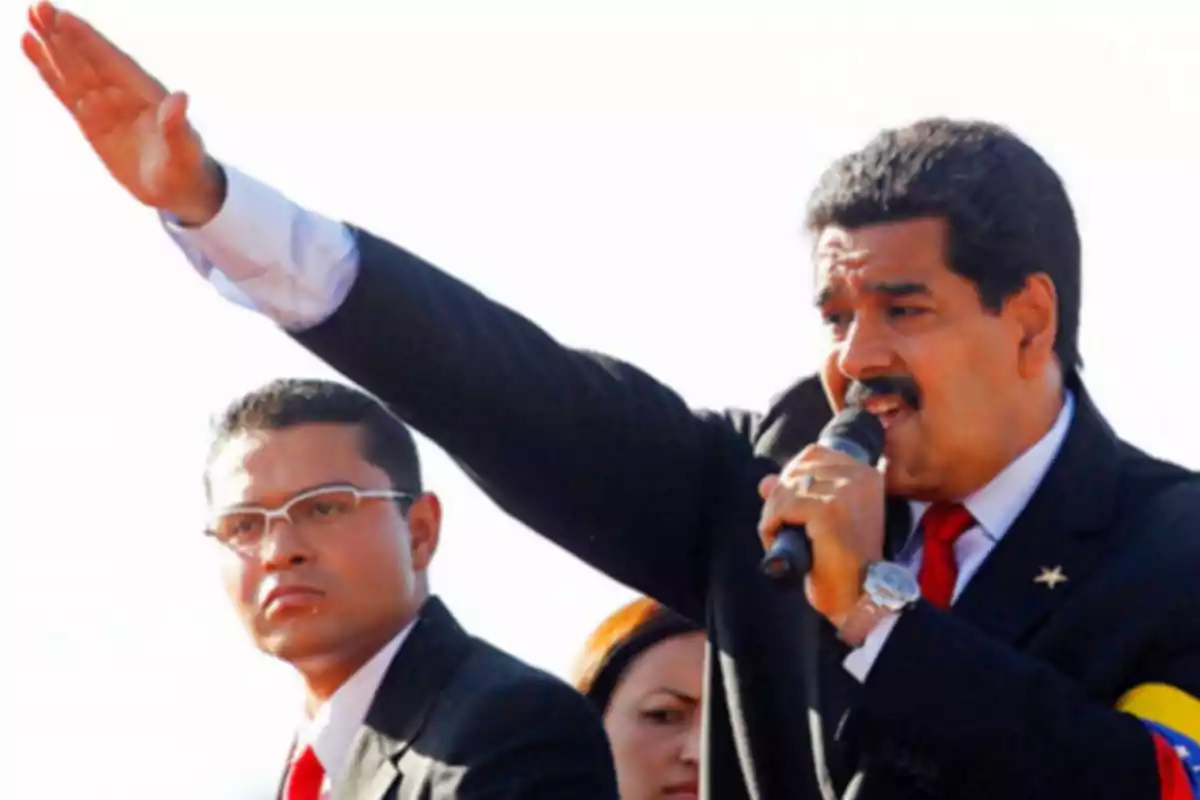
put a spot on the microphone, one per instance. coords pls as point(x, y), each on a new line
point(859, 435)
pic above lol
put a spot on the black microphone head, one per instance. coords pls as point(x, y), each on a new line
point(858, 426)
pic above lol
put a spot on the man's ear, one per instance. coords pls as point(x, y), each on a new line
point(1035, 311)
point(424, 529)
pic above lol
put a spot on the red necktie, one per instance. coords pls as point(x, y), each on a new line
point(943, 523)
point(305, 777)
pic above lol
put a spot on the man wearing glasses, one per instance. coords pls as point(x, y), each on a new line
point(316, 500)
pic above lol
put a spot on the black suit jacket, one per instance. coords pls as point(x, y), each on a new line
point(456, 719)
point(1009, 695)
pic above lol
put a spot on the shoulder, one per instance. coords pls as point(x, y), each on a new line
point(794, 419)
point(1157, 492)
point(1158, 506)
point(494, 694)
point(504, 728)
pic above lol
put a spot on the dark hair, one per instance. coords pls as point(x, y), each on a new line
point(618, 641)
point(1007, 211)
point(286, 402)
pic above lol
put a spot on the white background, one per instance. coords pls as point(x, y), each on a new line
point(629, 173)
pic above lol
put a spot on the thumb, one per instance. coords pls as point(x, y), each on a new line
point(172, 119)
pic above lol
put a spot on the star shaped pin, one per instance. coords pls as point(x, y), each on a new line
point(1051, 577)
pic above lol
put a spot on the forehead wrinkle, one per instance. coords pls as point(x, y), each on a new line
point(838, 285)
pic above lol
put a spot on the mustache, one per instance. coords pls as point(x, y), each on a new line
point(902, 386)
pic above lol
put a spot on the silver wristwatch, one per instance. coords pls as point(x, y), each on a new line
point(888, 588)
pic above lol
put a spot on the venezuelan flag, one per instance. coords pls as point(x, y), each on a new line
point(1173, 718)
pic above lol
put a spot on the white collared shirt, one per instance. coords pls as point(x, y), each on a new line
point(331, 730)
point(268, 254)
point(995, 507)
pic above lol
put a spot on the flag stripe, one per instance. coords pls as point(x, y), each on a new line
point(1178, 764)
point(1173, 717)
point(1166, 705)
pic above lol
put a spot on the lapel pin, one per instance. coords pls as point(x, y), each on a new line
point(1051, 577)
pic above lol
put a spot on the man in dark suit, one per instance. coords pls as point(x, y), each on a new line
point(326, 535)
point(1008, 610)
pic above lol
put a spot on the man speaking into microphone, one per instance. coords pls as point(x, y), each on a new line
point(1008, 609)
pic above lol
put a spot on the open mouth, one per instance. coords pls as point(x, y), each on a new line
point(891, 411)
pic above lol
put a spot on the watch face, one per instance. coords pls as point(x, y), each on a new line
point(891, 586)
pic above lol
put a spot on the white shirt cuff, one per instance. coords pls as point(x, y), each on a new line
point(266, 253)
point(862, 658)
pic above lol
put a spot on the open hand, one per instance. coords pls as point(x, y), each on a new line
point(138, 128)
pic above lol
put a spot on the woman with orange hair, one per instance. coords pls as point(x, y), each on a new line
point(643, 667)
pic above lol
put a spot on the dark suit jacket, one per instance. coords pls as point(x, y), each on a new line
point(456, 719)
point(1009, 695)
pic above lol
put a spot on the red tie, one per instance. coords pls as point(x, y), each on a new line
point(943, 523)
point(305, 777)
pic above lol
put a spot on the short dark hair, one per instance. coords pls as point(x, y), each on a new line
point(386, 441)
point(1006, 209)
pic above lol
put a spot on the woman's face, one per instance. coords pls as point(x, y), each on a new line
point(653, 721)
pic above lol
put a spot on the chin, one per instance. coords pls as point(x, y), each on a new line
point(294, 643)
point(899, 480)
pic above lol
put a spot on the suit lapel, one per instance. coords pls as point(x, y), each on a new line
point(373, 769)
point(1062, 530)
point(409, 689)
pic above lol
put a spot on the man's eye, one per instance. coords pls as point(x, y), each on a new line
point(325, 509)
point(243, 525)
point(837, 319)
point(906, 311)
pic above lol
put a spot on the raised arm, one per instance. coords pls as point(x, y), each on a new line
point(589, 451)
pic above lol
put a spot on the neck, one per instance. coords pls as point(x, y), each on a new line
point(1032, 418)
point(324, 674)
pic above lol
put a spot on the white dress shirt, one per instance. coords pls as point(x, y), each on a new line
point(266, 253)
point(331, 730)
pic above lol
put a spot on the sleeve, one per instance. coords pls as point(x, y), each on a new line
point(588, 451)
point(860, 660)
point(537, 740)
point(991, 722)
point(1173, 719)
point(266, 253)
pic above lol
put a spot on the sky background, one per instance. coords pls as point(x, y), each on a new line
point(629, 173)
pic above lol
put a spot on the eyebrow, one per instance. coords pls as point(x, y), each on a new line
point(892, 289)
point(678, 695)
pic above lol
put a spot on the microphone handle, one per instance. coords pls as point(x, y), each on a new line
point(790, 557)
